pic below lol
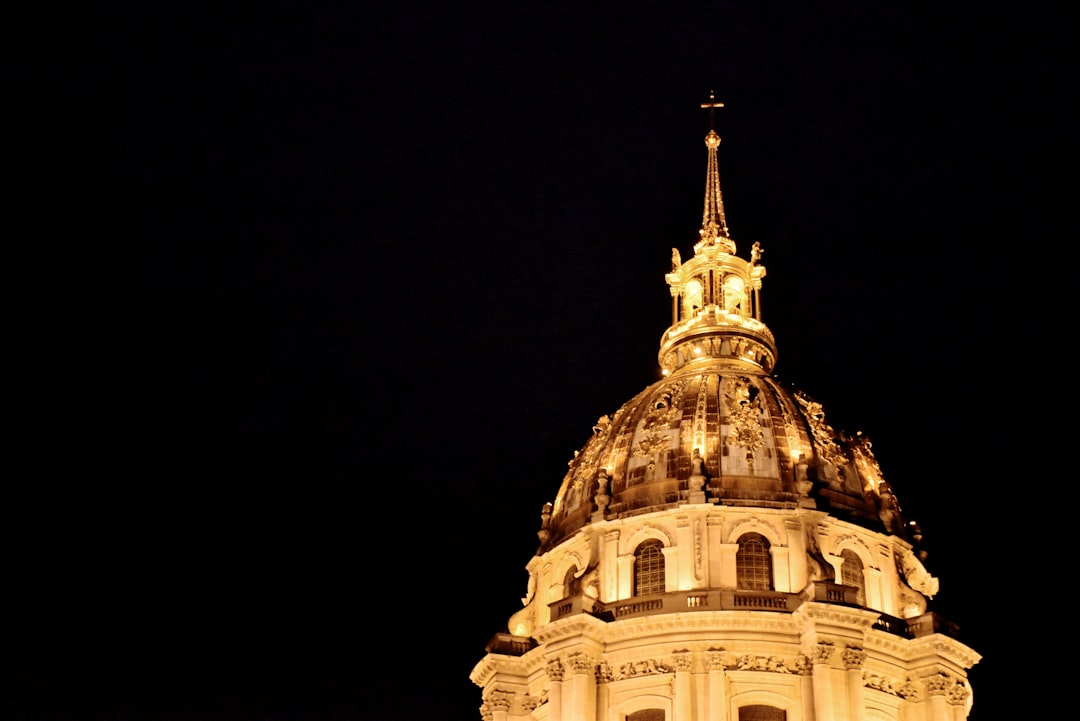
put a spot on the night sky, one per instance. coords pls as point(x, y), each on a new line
point(310, 306)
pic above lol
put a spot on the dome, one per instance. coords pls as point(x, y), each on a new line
point(717, 549)
point(721, 435)
point(719, 428)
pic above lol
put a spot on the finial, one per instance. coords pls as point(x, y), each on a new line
point(713, 224)
point(712, 105)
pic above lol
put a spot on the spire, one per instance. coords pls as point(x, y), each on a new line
point(713, 224)
point(715, 295)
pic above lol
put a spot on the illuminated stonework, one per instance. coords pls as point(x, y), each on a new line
point(791, 577)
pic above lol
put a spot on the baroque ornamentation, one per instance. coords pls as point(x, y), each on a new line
point(822, 652)
point(604, 674)
point(908, 690)
point(499, 700)
point(652, 444)
point(749, 662)
point(647, 667)
point(743, 411)
point(803, 665)
point(714, 659)
point(664, 409)
point(554, 669)
point(958, 694)
point(682, 661)
point(865, 462)
point(824, 435)
point(581, 663)
point(938, 684)
point(880, 683)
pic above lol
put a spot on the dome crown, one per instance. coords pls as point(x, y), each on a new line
point(718, 428)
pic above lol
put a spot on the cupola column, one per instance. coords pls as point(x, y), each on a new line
point(610, 567)
point(499, 704)
point(583, 703)
point(936, 688)
point(958, 697)
point(554, 670)
point(853, 663)
point(823, 706)
point(717, 709)
point(684, 699)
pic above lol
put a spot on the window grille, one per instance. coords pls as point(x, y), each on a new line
point(851, 574)
point(762, 713)
point(753, 563)
point(649, 568)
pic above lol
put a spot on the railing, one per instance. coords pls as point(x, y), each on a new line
point(509, 644)
point(713, 600)
point(733, 600)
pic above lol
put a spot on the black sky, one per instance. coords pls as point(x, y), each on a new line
point(311, 305)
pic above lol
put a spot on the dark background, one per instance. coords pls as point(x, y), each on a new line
point(311, 304)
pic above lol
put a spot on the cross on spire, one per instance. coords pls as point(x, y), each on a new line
point(712, 105)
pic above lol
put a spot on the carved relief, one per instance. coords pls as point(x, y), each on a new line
point(880, 683)
point(824, 435)
point(803, 665)
point(714, 659)
point(938, 684)
point(664, 409)
point(530, 703)
point(822, 652)
point(916, 574)
point(499, 700)
point(749, 662)
point(744, 416)
point(820, 569)
point(682, 660)
point(582, 664)
point(604, 674)
point(853, 657)
point(554, 669)
point(908, 691)
point(865, 462)
point(650, 446)
point(958, 694)
point(700, 410)
point(647, 667)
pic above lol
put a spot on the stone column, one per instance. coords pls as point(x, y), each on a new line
point(610, 568)
point(499, 704)
point(957, 698)
point(853, 663)
point(604, 676)
point(684, 699)
point(717, 698)
point(937, 708)
point(554, 670)
point(583, 699)
point(823, 706)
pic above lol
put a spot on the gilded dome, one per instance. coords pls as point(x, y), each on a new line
point(712, 434)
point(719, 428)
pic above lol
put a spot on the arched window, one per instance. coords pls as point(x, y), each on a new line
point(647, 714)
point(693, 299)
point(759, 712)
point(571, 585)
point(753, 563)
point(649, 568)
point(851, 574)
point(734, 294)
